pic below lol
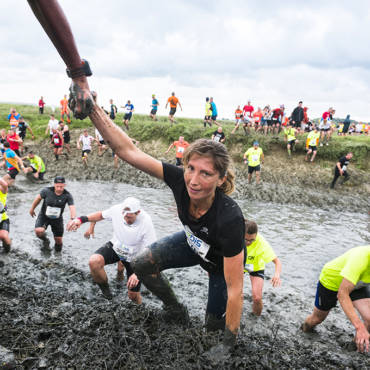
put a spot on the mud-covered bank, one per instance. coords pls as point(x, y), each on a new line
point(283, 180)
point(51, 317)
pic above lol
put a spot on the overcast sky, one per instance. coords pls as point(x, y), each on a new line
point(315, 51)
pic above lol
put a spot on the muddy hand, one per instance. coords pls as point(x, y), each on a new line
point(80, 100)
point(73, 225)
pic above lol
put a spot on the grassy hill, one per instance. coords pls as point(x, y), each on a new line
point(144, 129)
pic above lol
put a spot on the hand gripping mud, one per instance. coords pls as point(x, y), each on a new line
point(80, 101)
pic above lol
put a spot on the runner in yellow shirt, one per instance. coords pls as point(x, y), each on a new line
point(290, 137)
point(259, 252)
point(347, 279)
point(208, 114)
point(253, 157)
point(313, 141)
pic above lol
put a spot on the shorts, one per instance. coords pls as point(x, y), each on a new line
point(101, 142)
point(110, 257)
point(263, 122)
point(66, 139)
point(214, 117)
point(326, 299)
point(5, 225)
point(153, 111)
point(259, 273)
point(85, 151)
point(275, 122)
point(178, 161)
point(325, 129)
point(313, 148)
point(297, 124)
point(172, 111)
point(57, 146)
point(251, 169)
point(41, 174)
point(269, 122)
point(127, 116)
point(56, 224)
point(13, 173)
point(291, 142)
point(207, 118)
point(237, 122)
point(16, 151)
point(22, 135)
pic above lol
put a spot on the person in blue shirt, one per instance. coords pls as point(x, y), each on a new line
point(128, 110)
point(214, 111)
point(13, 118)
point(12, 162)
point(154, 106)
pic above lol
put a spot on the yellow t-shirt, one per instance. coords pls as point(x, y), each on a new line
point(290, 133)
point(253, 156)
point(354, 265)
point(313, 137)
point(3, 197)
point(258, 254)
point(208, 109)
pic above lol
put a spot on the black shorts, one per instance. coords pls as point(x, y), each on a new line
point(313, 148)
point(207, 118)
point(153, 112)
point(178, 161)
point(325, 129)
point(22, 135)
point(214, 117)
point(326, 299)
point(57, 146)
point(66, 139)
point(269, 122)
point(259, 273)
point(127, 116)
point(297, 124)
point(56, 224)
point(13, 173)
point(5, 225)
point(275, 122)
point(110, 257)
point(101, 142)
point(41, 174)
point(86, 151)
point(172, 111)
point(291, 142)
point(251, 169)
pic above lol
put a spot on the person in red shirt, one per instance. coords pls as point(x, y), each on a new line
point(14, 141)
point(41, 105)
point(277, 118)
point(238, 119)
point(64, 110)
point(180, 146)
point(248, 116)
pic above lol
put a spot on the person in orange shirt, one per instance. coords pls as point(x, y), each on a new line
point(64, 110)
point(173, 105)
point(238, 119)
point(180, 146)
point(257, 116)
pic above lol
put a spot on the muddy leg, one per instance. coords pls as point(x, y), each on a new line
point(316, 318)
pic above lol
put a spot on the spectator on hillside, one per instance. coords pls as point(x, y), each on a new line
point(248, 116)
point(346, 124)
point(257, 116)
point(277, 118)
point(41, 105)
point(219, 135)
point(297, 116)
point(306, 123)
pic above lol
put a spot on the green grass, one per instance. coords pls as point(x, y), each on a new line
point(144, 129)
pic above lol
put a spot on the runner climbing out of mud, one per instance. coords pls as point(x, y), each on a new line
point(213, 233)
point(345, 279)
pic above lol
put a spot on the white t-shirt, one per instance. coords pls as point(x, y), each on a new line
point(128, 240)
point(97, 134)
point(86, 142)
point(53, 124)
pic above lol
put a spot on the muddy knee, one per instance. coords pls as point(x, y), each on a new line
point(40, 232)
point(96, 262)
point(143, 264)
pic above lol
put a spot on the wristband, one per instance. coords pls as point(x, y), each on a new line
point(83, 219)
point(84, 70)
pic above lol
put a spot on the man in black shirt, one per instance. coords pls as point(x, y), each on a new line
point(219, 136)
point(297, 116)
point(341, 169)
point(55, 198)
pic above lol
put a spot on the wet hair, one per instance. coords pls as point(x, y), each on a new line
point(221, 160)
point(250, 227)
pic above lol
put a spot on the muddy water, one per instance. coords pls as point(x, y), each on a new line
point(304, 237)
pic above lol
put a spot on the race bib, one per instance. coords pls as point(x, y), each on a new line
point(52, 212)
point(56, 141)
point(249, 267)
point(217, 138)
point(123, 252)
point(180, 149)
point(197, 245)
point(344, 168)
point(255, 157)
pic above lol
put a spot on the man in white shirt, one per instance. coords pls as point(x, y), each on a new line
point(86, 141)
point(53, 124)
point(132, 231)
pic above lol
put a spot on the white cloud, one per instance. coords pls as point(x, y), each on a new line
point(270, 52)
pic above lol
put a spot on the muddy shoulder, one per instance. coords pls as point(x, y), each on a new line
point(284, 180)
